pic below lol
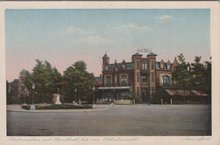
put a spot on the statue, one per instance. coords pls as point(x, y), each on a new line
point(56, 97)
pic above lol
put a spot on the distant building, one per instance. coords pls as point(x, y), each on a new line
point(139, 78)
point(17, 88)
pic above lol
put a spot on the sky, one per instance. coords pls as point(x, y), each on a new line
point(64, 36)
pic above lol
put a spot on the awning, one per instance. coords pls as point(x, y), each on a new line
point(185, 93)
point(113, 88)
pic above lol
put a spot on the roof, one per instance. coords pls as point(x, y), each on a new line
point(151, 54)
point(137, 54)
point(98, 78)
point(129, 65)
point(105, 55)
point(185, 93)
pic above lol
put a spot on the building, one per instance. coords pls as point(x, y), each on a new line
point(137, 79)
point(17, 87)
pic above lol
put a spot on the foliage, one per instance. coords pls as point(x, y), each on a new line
point(44, 76)
point(196, 76)
point(181, 76)
point(208, 77)
point(161, 94)
point(79, 82)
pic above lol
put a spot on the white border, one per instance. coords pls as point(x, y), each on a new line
point(151, 140)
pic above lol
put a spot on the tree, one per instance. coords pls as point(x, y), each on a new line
point(181, 75)
point(79, 82)
point(44, 76)
point(208, 77)
point(198, 75)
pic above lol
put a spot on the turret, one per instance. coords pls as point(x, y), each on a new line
point(105, 61)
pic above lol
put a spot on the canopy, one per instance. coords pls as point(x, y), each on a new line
point(185, 93)
point(113, 88)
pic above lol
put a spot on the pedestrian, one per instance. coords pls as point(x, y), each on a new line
point(112, 104)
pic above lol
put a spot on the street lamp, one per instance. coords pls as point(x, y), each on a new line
point(93, 96)
point(33, 87)
point(25, 95)
point(33, 106)
point(75, 93)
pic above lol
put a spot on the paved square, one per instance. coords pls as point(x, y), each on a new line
point(119, 120)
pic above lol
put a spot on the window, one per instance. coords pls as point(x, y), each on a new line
point(144, 78)
point(166, 80)
point(168, 66)
point(152, 65)
point(123, 66)
point(152, 77)
point(162, 66)
point(157, 66)
point(129, 66)
point(137, 91)
point(152, 90)
point(106, 68)
point(108, 80)
point(137, 65)
point(138, 77)
point(124, 79)
point(116, 79)
point(144, 66)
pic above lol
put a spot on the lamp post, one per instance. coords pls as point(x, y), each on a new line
point(33, 106)
point(75, 93)
point(93, 96)
point(25, 95)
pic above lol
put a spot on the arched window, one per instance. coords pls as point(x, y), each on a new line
point(166, 81)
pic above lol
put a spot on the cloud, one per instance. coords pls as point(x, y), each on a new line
point(86, 37)
point(164, 17)
point(94, 40)
point(73, 29)
point(76, 30)
point(131, 26)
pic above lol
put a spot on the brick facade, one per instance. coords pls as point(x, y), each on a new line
point(139, 78)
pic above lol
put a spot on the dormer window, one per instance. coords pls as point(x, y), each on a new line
point(168, 66)
point(123, 66)
point(161, 66)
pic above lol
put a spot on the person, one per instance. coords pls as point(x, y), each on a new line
point(112, 103)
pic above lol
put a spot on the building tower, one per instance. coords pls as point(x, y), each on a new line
point(105, 62)
point(152, 75)
point(136, 60)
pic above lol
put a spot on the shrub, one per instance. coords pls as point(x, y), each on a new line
point(62, 106)
point(26, 107)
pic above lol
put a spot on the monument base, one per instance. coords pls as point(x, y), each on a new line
point(32, 107)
